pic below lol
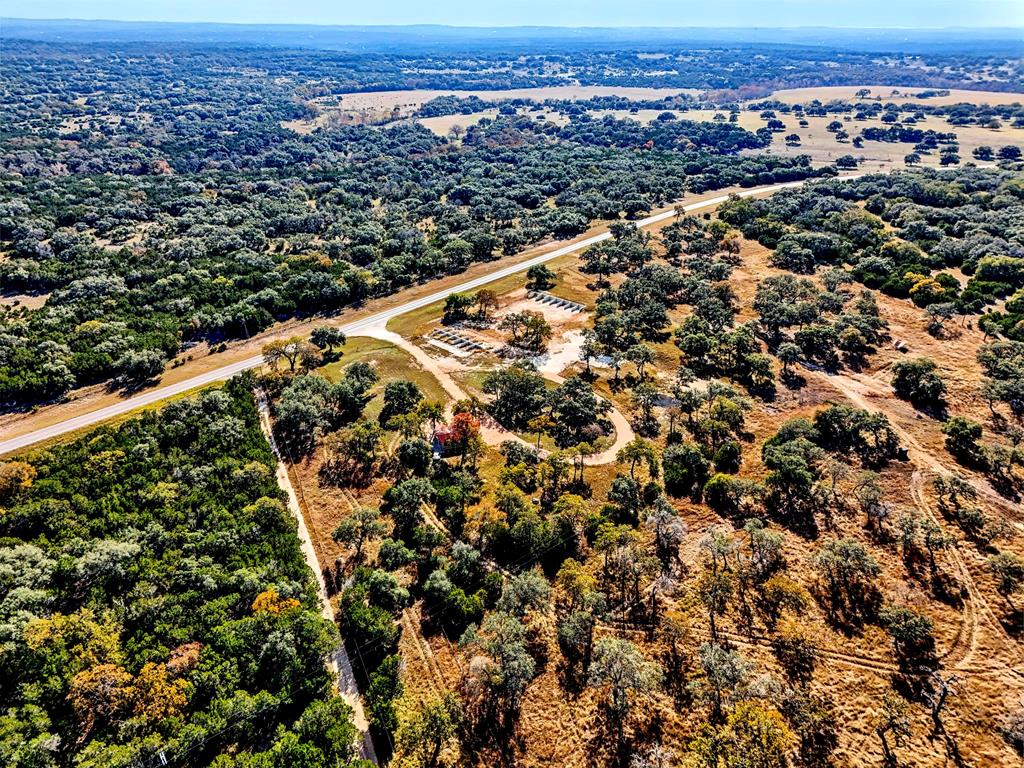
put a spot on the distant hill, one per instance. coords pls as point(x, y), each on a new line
point(377, 38)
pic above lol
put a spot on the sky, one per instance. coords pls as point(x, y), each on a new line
point(592, 13)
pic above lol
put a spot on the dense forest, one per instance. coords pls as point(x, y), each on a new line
point(155, 601)
point(150, 223)
point(471, 66)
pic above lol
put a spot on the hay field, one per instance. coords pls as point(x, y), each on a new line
point(894, 93)
point(386, 100)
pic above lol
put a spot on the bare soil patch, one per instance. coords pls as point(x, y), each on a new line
point(26, 300)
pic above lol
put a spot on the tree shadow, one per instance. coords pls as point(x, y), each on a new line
point(344, 475)
point(571, 676)
point(129, 388)
point(1013, 622)
point(946, 589)
point(793, 380)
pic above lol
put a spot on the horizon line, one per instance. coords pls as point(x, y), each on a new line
point(951, 28)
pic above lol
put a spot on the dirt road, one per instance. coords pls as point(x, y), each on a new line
point(493, 433)
point(338, 662)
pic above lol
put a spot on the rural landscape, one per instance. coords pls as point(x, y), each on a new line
point(441, 397)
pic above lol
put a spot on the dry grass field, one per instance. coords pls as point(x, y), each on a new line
point(901, 94)
point(376, 107)
point(815, 139)
point(385, 100)
point(381, 106)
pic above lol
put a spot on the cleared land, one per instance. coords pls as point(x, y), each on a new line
point(891, 93)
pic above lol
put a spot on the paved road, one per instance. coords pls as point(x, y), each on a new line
point(221, 374)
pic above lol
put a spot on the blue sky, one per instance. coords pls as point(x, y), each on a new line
point(669, 13)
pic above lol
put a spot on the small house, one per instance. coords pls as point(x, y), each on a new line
point(443, 440)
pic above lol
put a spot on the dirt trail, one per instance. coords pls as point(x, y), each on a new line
point(338, 662)
point(978, 611)
point(434, 674)
point(869, 394)
point(855, 660)
point(492, 432)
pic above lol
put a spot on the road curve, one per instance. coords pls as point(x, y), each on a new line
point(493, 433)
point(381, 318)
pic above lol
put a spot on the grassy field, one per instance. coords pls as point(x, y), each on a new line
point(415, 324)
point(390, 363)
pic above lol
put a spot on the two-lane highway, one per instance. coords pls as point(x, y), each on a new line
point(226, 372)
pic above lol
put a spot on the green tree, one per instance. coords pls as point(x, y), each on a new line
point(403, 502)
point(795, 652)
point(295, 351)
point(540, 278)
point(755, 736)
point(400, 397)
point(575, 410)
point(486, 302)
point(528, 330)
point(356, 447)
point(686, 470)
point(415, 455)
point(724, 672)
point(641, 356)
point(433, 727)
point(1008, 570)
point(911, 632)
point(456, 307)
point(507, 666)
point(519, 394)
point(639, 453)
point(619, 667)
point(916, 380)
point(962, 440)
point(363, 525)
point(384, 690)
point(327, 337)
